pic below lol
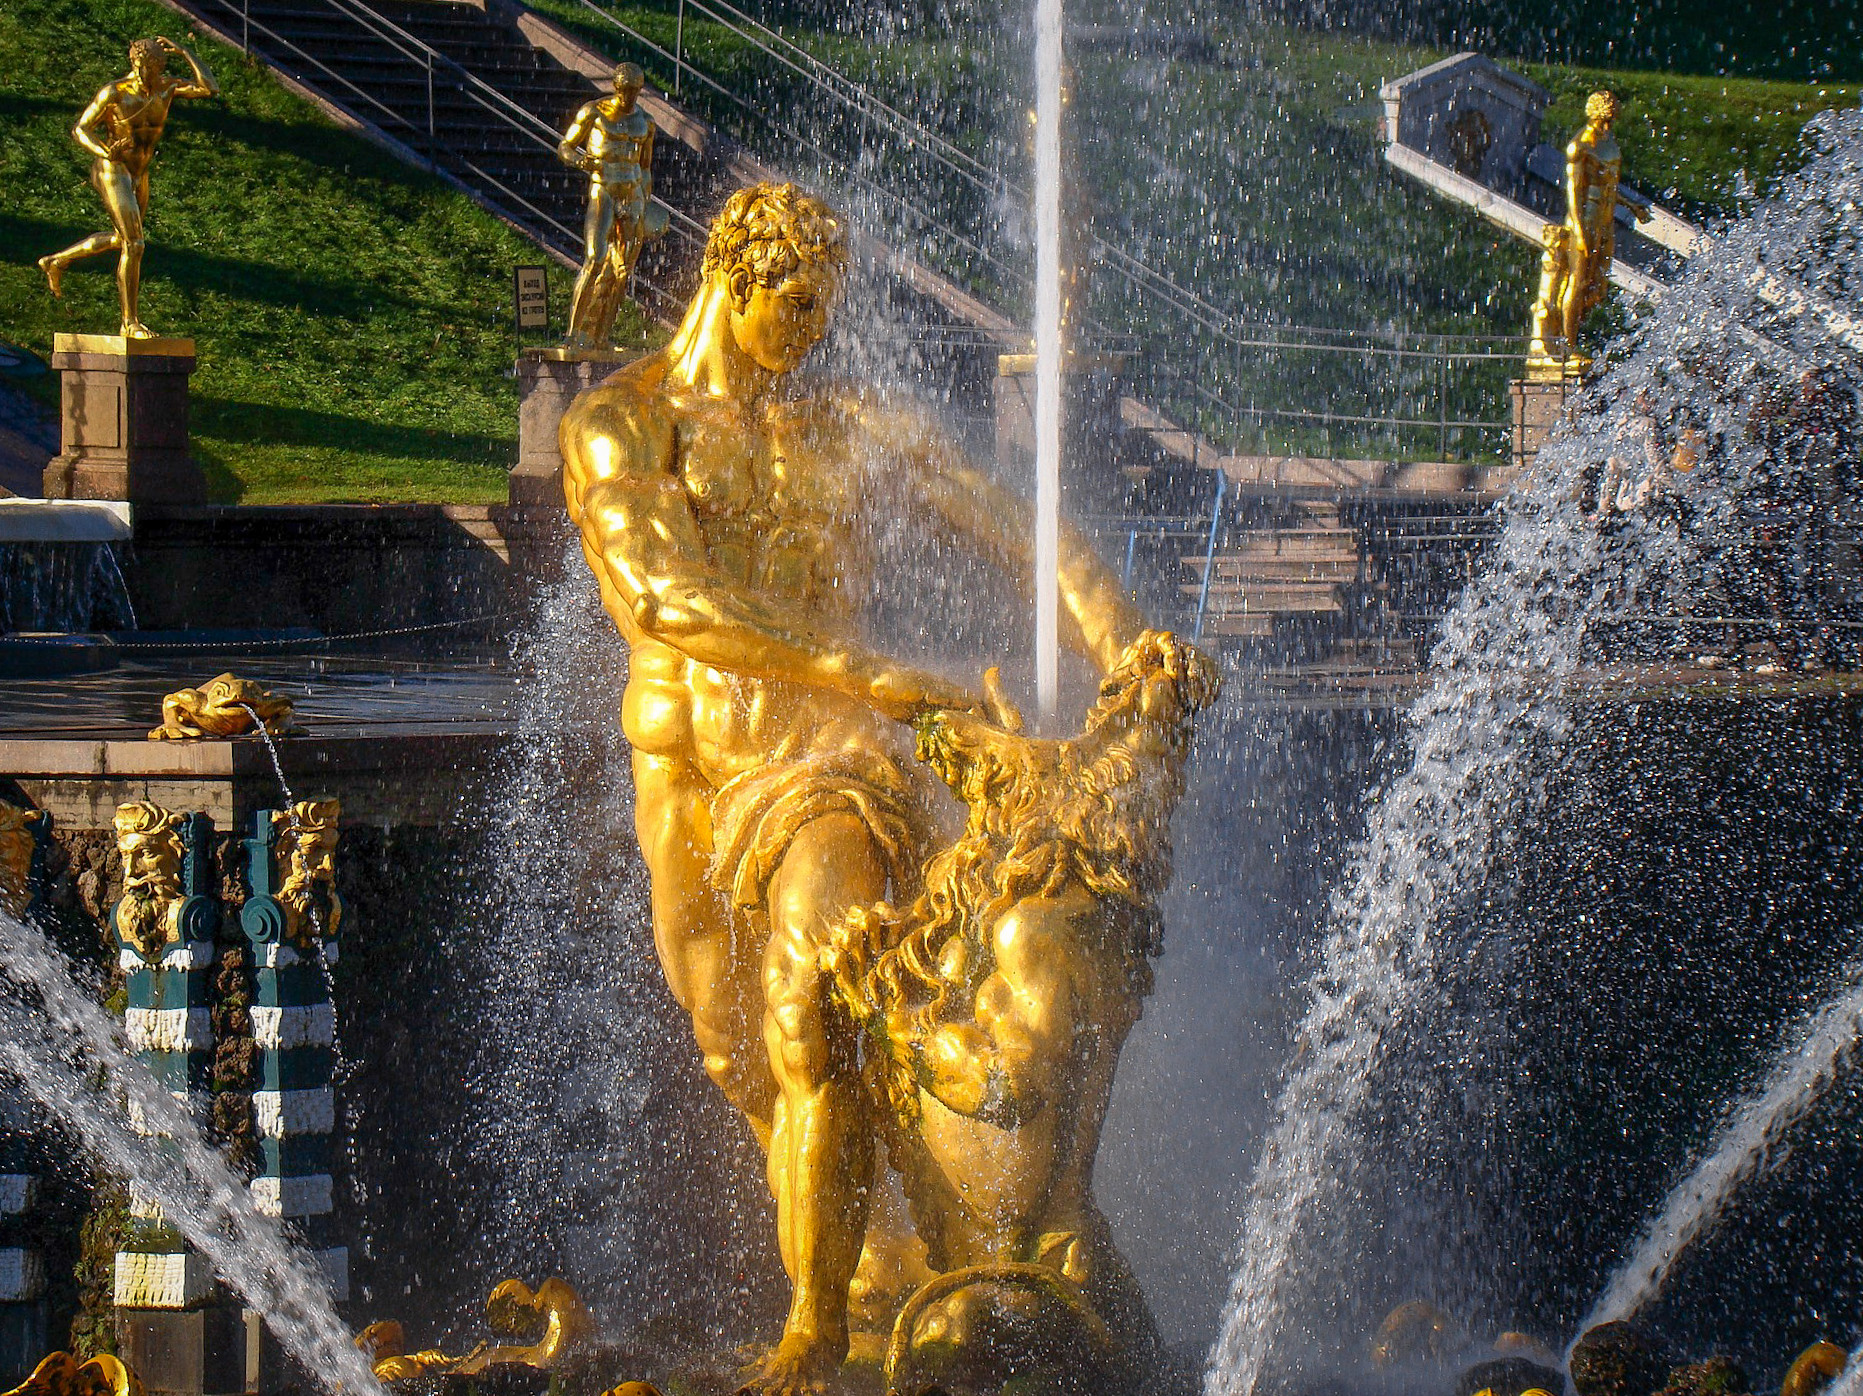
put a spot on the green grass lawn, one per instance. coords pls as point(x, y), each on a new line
point(352, 314)
point(1254, 177)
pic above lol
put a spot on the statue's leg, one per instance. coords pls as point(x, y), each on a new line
point(123, 201)
point(53, 264)
point(1572, 300)
point(821, 1153)
point(598, 221)
point(711, 977)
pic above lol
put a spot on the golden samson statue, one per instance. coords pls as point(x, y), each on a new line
point(722, 505)
point(1575, 267)
point(120, 129)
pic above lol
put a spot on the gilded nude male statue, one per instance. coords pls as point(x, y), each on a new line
point(1576, 264)
point(726, 512)
point(121, 128)
point(611, 140)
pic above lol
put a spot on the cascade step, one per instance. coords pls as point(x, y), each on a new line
point(1230, 598)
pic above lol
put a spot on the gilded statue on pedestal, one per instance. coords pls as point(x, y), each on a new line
point(612, 141)
point(726, 508)
point(1576, 265)
point(120, 130)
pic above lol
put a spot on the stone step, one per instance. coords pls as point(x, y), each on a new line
point(1230, 598)
point(1288, 570)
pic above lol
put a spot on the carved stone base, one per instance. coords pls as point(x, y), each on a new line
point(1537, 408)
point(548, 381)
point(124, 431)
point(208, 1351)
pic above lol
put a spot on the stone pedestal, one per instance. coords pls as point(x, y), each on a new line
point(212, 1350)
point(125, 421)
point(1091, 429)
point(548, 381)
point(1537, 408)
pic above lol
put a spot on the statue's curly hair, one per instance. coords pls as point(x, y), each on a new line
point(146, 48)
point(1602, 106)
point(770, 230)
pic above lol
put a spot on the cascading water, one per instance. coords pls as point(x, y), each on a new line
point(577, 1045)
point(1751, 1140)
point(56, 1039)
point(1512, 651)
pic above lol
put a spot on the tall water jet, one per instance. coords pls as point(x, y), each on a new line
point(1749, 1142)
point(1050, 352)
point(56, 1042)
point(1511, 653)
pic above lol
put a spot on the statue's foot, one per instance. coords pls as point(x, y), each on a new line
point(135, 329)
point(54, 273)
point(798, 1367)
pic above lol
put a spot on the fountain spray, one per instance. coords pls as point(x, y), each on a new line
point(1511, 656)
point(1049, 352)
point(1748, 1144)
point(57, 1040)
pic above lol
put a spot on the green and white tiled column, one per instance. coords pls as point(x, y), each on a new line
point(165, 927)
point(292, 917)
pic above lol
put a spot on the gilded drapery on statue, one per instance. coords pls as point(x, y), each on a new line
point(786, 775)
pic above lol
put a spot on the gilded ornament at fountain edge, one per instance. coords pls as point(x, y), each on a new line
point(61, 1374)
point(21, 831)
point(306, 854)
point(120, 130)
point(223, 707)
point(553, 1311)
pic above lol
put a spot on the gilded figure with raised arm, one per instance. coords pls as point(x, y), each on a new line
point(120, 129)
point(1576, 265)
point(729, 511)
point(612, 141)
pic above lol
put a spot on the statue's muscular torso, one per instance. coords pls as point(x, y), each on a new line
point(774, 493)
point(134, 121)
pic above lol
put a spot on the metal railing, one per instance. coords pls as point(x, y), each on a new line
point(498, 110)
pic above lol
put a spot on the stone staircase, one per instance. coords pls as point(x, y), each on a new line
point(461, 88)
point(1293, 565)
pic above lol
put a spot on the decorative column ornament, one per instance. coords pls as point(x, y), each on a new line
point(165, 926)
point(293, 917)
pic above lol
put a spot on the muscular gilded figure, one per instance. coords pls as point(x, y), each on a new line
point(120, 129)
point(728, 514)
point(612, 140)
point(1576, 264)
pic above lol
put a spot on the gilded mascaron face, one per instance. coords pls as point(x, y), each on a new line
point(776, 326)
